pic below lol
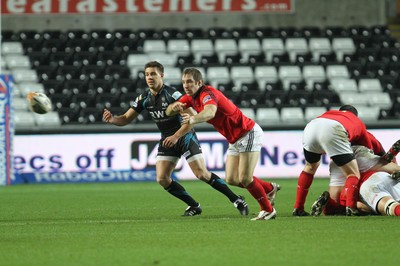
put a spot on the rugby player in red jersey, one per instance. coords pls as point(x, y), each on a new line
point(379, 184)
point(333, 133)
point(244, 135)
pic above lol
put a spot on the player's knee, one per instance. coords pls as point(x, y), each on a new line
point(311, 168)
point(164, 182)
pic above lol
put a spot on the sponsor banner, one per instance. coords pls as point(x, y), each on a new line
point(132, 156)
point(18, 7)
point(85, 177)
point(6, 130)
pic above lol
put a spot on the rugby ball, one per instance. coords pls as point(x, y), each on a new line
point(38, 102)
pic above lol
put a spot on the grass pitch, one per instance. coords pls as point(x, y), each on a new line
point(141, 224)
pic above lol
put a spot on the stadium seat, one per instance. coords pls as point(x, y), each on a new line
point(242, 33)
point(296, 46)
point(376, 69)
point(299, 98)
point(200, 48)
point(343, 85)
point(335, 31)
point(180, 47)
point(309, 32)
point(241, 74)
point(172, 33)
point(325, 98)
point(24, 75)
point(8, 48)
point(368, 113)
point(265, 74)
point(369, 85)
point(194, 33)
point(218, 32)
point(267, 116)
point(275, 98)
point(24, 119)
point(172, 76)
point(271, 47)
point(289, 74)
point(51, 119)
point(341, 46)
point(136, 62)
point(292, 115)
point(17, 61)
point(379, 99)
point(154, 46)
point(250, 98)
point(312, 74)
point(225, 47)
point(26, 87)
point(20, 103)
point(168, 60)
point(319, 46)
point(217, 75)
point(354, 98)
point(337, 71)
point(312, 112)
point(249, 47)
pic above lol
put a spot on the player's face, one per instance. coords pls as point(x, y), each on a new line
point(190, 85)
point(154, 78)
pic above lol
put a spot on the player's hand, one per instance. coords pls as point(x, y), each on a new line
point(185, 118)
point(178, 107)
point(107, 116)
point(170, 141)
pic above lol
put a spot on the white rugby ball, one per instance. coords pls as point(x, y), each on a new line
point(38, 102)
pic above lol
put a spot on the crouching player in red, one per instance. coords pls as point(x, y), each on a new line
point(244, 135)
point(332, 133)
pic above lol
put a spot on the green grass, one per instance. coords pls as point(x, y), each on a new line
point(140, 224)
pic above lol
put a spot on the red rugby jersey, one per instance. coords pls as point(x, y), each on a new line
point(357, 132)
point(228, 120)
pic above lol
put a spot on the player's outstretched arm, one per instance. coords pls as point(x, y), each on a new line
point(175, 108)
point(120, 120)
point(205, 115)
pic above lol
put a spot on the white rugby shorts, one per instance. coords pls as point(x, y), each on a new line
point(328, 136)
point(251, 141)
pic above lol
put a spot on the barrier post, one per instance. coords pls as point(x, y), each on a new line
point(6, 130)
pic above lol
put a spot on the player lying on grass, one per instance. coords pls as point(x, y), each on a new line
point(176, 141)
point(379, 185)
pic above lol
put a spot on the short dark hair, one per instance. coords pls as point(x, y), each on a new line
point(155, 64)
point(349, 108)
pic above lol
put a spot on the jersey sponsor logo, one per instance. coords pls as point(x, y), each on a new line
point(157, 114)
point(176, 95)
point(206, 99)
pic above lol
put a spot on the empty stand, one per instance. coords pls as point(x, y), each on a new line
point(289, 74)
point(267, 116)
point(292, 115)
point(271, 47)
point(200, 48)
point(296, 46)
point(225, 47)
